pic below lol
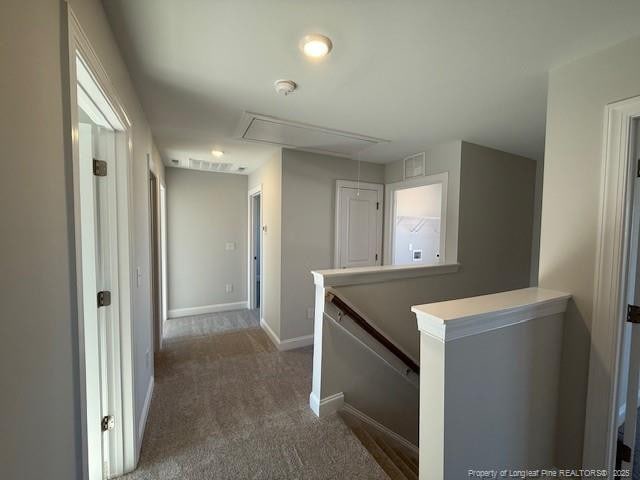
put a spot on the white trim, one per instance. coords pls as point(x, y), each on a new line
point(201, 310)
point(327, 405)
point(122, 443)
point(360, 276)
point(454, 319)
point(248, 118)
point(390, 212)
point(612, 256)
point(145, 415)
point(379, 188)
point(381, 428)
point(287, 344)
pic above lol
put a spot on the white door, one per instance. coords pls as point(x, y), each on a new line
point(99, 287)
point(358, 224)
point(629, 386)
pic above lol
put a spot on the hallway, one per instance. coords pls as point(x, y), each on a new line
point(229, 405)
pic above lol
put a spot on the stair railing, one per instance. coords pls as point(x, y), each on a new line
point(334, 299)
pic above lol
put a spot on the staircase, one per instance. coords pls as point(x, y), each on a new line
point(398, 462)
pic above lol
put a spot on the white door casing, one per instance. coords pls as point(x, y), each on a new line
point(102, 212)
point(611, 283)
point(358, 236)
point(390, 212)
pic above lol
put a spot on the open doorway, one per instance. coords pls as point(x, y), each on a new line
point(101, 158)
point(155, 249)
point(255, 250)
point(416, 226)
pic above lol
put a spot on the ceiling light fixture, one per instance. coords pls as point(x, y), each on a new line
point(217, 153)
point(316, 45)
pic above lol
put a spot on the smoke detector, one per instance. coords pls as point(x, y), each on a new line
point(285, 87)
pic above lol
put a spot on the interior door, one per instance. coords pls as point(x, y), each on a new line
point(359, 225)
point(97, 191)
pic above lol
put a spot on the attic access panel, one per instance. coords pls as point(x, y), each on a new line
point(264, 129)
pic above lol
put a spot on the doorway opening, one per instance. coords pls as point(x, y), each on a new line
point(101, 158)
point(416, 225)
point(155, 252)
point(256, 260)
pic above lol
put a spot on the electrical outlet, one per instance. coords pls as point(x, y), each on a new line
point(147, 359)
point(310, 313)
point(229, 287)
point(230, 246)
point(138, 277)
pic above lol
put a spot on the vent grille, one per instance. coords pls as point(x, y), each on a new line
point(209, 166)
point(414, 166)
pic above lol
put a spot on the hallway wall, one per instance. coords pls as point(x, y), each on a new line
point(39, 358)
point(578, 93)
point(308, 212)
point(205, 211)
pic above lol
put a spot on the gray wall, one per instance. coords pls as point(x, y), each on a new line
point(494, 245)
point(205, 211)
point(497, 193)
point(269, 177)
point(578, 93)
point(308, 225)
point(37, 241)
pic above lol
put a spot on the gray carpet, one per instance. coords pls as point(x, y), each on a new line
point(208, 324)
point(230, 406)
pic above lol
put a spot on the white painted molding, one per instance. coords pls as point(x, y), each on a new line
point(381, 428)
point(220, 307)
point(142, 423)
point(456, 319)
point(363, 275)
point(327, 405)
point(289, 343)
point(612, 255)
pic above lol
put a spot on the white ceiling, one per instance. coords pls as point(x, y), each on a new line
point(414, 72)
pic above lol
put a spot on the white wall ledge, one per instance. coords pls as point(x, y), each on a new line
point(455, 319)
point(359, 276)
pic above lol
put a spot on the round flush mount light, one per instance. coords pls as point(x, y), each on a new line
point(217, 153)
point(316, 45)
point(285, 87)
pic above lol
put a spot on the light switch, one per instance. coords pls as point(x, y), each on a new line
point(230, 246)
point(229, 287)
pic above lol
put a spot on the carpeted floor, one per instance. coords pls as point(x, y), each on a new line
point(230, 406)
point(198, 325)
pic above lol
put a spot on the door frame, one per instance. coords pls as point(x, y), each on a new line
point(120, 348)
point(611, 278)
point(379, 188)
point(251, 270)
point(390, 211)
point(155, 254)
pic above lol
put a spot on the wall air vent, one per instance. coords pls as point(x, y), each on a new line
point(258, 128)
point(414, 166)
point(209, 166)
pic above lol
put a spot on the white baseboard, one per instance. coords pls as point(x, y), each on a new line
point(288, 344)
point(327, 405)
point(381, 428)
point(219, 307)
point(142, 423)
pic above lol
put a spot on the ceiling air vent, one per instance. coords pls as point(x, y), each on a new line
point(209, 166)
point(258, 128)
